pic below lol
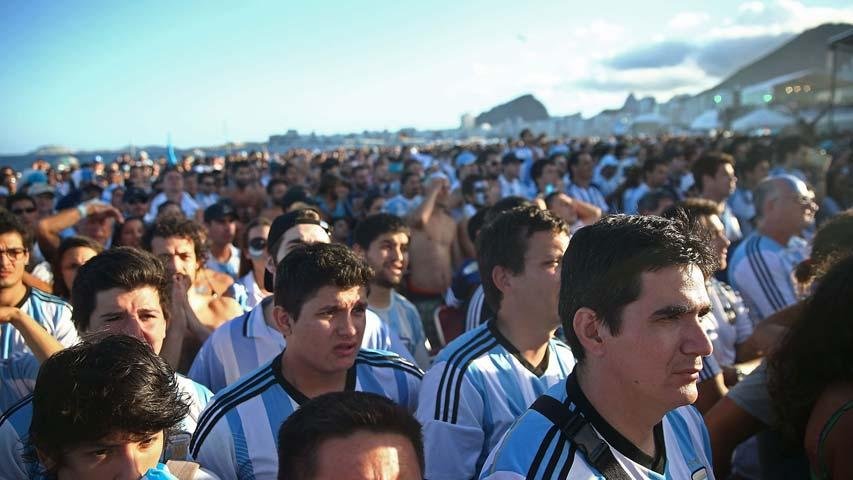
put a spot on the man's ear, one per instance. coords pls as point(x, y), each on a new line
point(502, 278)
point(283, 320)
point(590, 332)
point(356, 248)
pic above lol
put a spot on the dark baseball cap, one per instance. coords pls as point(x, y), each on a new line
point(220, 211)
point(511, 158)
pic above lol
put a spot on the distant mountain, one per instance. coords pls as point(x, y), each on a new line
point(525, 107)
point(806, 51)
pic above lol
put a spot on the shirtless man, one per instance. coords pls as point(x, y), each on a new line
point(434, 252)
point(178, 242)
point(247, 195)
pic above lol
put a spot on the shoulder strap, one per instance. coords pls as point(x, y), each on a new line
point(824, 432)
point(182, 470)
point(581, 433)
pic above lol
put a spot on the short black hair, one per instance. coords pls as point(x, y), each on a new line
point(127, 268)
point(10, 223)
point(539, 166)
point(709, 164)
point(17, 197)
point(786, 145)
point(503, 205)
point(100, 386)
point(650, 201)
point(503, 242)
point(307, 269)
point(757, 153)
point(652, 163)
point(179, 227)
point(337, 415)
point(373, 226)
point(369, 200)
point(604, 262)
point(60, 289)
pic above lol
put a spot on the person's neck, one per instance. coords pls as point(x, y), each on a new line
point(307, 380)
point(624, 412)
point(530, 340)
point(778, 235)
point(714, 197)
point(12, 296)
point(222, 253)
point(379, 296)
point(258, 275)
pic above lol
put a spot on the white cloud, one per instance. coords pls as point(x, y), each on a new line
point(688, 20)
point(783, 16)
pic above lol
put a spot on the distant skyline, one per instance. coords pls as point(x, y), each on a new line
point(101, 75)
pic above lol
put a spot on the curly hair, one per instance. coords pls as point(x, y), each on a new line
point(181, 228)
point(815, 353)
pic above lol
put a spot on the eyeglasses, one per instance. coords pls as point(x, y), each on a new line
point(13, 254)
point(132, 201)
point(21, 211)
point(802, 200)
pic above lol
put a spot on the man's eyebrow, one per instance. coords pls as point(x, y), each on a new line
point(681, 309)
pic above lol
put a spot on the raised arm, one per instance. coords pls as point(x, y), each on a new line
point(42, 344)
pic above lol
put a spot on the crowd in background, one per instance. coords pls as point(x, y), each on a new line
point(435, 225)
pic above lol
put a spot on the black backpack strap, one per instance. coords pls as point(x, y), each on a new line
point(581, 433)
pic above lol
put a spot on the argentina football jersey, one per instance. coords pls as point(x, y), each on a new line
point(237, 436)
point(536, 449)
point(49, 311)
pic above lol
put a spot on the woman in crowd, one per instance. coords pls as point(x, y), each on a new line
point(254, 261)
point(73, 252)
point(129, 233)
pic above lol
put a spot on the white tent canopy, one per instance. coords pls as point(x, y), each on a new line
point(708, 120)
point(762, 118)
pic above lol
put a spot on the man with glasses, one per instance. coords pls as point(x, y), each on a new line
point(248, 341)
point(49, 311)
point(762, 265)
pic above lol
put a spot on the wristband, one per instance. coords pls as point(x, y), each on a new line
point(82, 209)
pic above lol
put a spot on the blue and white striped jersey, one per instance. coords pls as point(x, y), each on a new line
point(535, 449)
point(15, 427)
point(51, 312)
point(244, 343)
point(590, 194)
point(17, 378)
point(762, 271)
point(237, 436)
point(476, 389)
point(403, 319)
point(729, 325)
point(477, 307)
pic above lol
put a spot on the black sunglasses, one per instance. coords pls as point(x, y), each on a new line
point(258, 243)
point(21, 211)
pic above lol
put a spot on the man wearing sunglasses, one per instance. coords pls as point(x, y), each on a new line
point(252, 339)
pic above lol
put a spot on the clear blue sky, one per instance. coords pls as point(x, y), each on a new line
point(100, 74)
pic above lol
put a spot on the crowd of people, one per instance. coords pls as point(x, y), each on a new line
point(668, 308)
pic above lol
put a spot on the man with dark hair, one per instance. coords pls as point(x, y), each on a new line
point(510, 178)
point(655, 176)
point(181, 246)
point(350, 435)
point(120, 291)
point(581, 167)
point(224, 257)
point(173, 190)
point(762, 265)
point(655, 202)
point(320, 305)
point(49, 311)
point(409, 197)
point(632, 302)
point(714, 174)
point(112, 396)
point(546, 177)
point(383, 241)
point(750, 171)
point(250, 340)
point(485, 379)
point(791, 153)
point(206, 195)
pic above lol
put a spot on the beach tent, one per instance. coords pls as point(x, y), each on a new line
point(762, 118)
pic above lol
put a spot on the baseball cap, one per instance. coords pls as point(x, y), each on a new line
point(281, 225)
point(219, 211)
point(511, 157)
point(465, 158)
point(41, 189)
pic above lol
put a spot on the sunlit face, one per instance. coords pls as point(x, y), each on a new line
point(724, 181)
point(582, 170)
point(132, 232)
point(657, 355)
point(301, 234)
point(13, 259)
point(178, 254)
point(98, 228)
point(72, 260)
point(388, 256)
point(719, 241)
point(538, 286)
point(222, 232)
point(137, 313)
point(326, 335)
point(173, 182)
point(367, 455)
point(116, 456)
